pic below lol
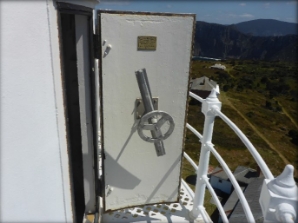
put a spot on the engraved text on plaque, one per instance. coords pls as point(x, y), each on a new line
point(147, 42)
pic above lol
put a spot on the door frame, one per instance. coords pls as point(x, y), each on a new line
point(77, 204)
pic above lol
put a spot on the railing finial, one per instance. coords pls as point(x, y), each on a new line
point(286, 177)
point(210, 103)
point(213, 93)
point(279, 197)
point(284, 185)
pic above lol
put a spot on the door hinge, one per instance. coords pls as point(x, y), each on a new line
point(97, 46)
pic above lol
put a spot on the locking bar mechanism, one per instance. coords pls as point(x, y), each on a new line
point(152, 119)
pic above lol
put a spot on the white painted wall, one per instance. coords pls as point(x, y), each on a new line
point(34, 180)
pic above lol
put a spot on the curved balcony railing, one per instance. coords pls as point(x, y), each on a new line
point(211, 108)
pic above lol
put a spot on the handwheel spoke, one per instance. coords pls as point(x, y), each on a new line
point(161, 122)
point(153, 121)
point(148, 127)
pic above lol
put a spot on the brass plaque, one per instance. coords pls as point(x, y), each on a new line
point(147, 42)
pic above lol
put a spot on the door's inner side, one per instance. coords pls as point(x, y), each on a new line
point(143, 144)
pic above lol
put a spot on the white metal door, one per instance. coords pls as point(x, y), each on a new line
point(133, 173)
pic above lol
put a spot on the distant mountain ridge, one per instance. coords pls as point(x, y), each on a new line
point(267, 27)
point(221, 41)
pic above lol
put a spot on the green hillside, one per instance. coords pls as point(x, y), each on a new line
point(261, 99)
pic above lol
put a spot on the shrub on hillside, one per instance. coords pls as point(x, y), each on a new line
point(268, 105)
point(226, 88)
point(294, 135)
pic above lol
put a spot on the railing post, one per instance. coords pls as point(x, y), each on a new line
point(207, 105)
point(279, 198)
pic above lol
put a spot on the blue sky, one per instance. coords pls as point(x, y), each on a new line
point(220, 11)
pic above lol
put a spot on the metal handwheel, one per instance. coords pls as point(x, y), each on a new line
point(153, 121)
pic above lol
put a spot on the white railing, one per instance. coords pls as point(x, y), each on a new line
point(273, 210)
point(216, 200)
point(265, 170)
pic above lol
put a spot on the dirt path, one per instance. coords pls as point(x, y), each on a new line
point(225, 100)
point(287, 114)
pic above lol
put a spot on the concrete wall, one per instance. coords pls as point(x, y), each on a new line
point(34, 180)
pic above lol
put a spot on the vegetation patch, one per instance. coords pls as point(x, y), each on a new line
point(261, 98)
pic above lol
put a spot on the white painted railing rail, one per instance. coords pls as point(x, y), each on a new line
point(234, 182)
point(196, 97)
point(216, 200)
point(205, 215)
point(194, 131)
point(273, 211)
point(206, 180)
point(265, 170)
point(267, 173)
point(194, 165)
point(239, 192)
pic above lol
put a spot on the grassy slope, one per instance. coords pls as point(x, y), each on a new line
point(249, 84)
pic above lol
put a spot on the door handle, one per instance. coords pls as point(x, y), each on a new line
point(152, 119)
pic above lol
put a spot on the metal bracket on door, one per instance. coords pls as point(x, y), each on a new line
point(140, 109)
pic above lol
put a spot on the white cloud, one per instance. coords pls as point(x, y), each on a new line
point(246, 15)
point(242, 4)
point(232, 15)
point(292, 2)
point(266, 5)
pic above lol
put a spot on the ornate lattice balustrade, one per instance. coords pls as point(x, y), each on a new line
point(279, 195)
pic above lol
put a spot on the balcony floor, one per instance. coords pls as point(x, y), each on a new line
point(175, 212)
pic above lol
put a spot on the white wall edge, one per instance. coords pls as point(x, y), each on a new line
point(59, 103)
